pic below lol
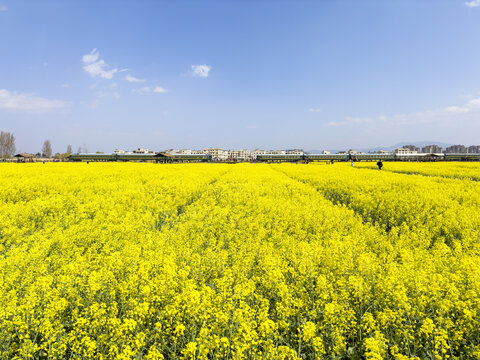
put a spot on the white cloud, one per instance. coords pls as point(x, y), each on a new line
point(450, 114)
point(143, 90)
point(456, 109)
point(159, 89)
point(3, 8)
point(29, 103)
point(147, 90)
point(334, 123)
point(65, 85)
point(99, 69)
point(116, 95)
point(474, 102)
point(473, 3)
point(133, 79)
point(96, 67)
point(351, 120)
point(314, 110)
point(201, 70)
point(92, 57)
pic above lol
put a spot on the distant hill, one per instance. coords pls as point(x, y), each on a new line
point(420, 144)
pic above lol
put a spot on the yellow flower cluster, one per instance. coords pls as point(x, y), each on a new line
point(453, 170)
point(245, 261)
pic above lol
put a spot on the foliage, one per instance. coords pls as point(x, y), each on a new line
point(47, 149)
point(7, 145)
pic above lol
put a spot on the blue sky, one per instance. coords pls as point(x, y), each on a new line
point(239, 74)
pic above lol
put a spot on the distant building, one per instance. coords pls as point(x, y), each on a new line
point(118, 151)
point(405, 151)
point(143, 151)
point(277, 152)
point(240, 155)
point(217, 154)
point(431, 149)
point(295, 152)
point(456, 149)
point(326, 152)
point(245, 154)
point(412, 148)
point(385, 152)
point(24, 157)
point(474, 149)
point(257, 152)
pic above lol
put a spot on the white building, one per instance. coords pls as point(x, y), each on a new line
point(245, 155)
point(405, 151)
point(182, 152)
point(277, 152)
point(217, 154)
point(240, 155)
point(326, 152)
point(257, 152)
point(118, 151)
point(143, 151)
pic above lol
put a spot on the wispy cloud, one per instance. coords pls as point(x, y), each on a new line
point(133, 79)
point(160, 90)
point(28, 102)
point(314, 110)
point(201, 70)
point(92, 57)
point(96, 66)
point(147, 90)
point(143, 90)
point(457, 109)
point(3, 8)
point(466, 112)
point(473, 3)
point(351, 120)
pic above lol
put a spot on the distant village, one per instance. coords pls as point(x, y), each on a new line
point(407, 152)
point(219, 154)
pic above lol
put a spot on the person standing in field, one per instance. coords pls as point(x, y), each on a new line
point(379, 164)
point(352, 163)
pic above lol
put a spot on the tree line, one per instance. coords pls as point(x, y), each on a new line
point(8, 148)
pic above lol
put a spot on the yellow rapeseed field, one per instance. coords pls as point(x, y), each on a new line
point(245, 261)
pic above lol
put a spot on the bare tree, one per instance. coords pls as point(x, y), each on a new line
point(69, 149)
point(47, 149)
point(7, 145)
point(79, 149)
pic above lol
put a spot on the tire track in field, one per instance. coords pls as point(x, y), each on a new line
point(334, 197)
point(426, 227)
point(406, 172)
point(441, 180)
point(342, 197)
point(169, 218)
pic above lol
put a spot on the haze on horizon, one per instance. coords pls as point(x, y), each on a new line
point(239, 74)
